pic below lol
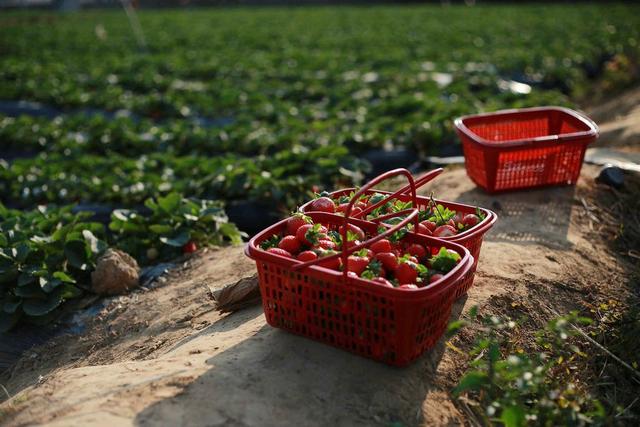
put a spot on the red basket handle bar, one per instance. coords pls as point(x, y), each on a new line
point(404, 190)
point(412, 214)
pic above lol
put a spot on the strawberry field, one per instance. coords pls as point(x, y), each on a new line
point(247, 111)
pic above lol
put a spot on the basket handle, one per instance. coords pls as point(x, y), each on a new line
point(412, 214)
point(404, 190)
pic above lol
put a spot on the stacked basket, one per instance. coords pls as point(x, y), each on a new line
point(388, 324)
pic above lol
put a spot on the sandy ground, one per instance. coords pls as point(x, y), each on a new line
point(165, 357)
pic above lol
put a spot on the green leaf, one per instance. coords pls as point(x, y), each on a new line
point(230, 231)
point(40, 307)
point(3, 240)
point(444, 261)
point(474, 380)
point(32, 290)
point(96, 245)
point(454, 327)
point(68, 291)
point(61, 275)
point(513, 416)
point(21, 252)
point(76, 253)
point(8, 274)
point(122, 214)
point(11, 306)
point(170, 203)
point(25, 278)
point(160, 228)
point(48, 284)
point(177, 241)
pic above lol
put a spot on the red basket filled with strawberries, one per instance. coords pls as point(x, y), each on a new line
point(383, 292)
point(450, 221)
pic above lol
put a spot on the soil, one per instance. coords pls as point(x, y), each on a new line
point(164, 356)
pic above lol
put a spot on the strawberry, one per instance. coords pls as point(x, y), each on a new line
point(290, 244)
point(326, 244)
point(388, 260)
point(297, 221)
point(435, 277)
point(422, 229)
point(310, 234)
point(333, 264)
point(322, 204)
point(381, 246)
point(357, 231)
point(307, 256)
point(189, 247)
point(417, 250)
point(278, 251)
point(342, 208)
point(431, 226)
point(470, 220)
point(357, 264)
point(407, 272)
point(445, 231)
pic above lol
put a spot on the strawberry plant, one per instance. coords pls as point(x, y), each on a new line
point(174, 225)
point(518, 389)
point(46, 256)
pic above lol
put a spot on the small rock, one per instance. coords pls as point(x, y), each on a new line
point(612, 176)
point(116, 273)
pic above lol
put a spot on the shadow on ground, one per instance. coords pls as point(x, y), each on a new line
point(275, 378)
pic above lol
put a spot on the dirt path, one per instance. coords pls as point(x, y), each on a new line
point(164, 357)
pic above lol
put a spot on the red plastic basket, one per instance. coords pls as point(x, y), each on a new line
point(470, 239)
point(531, 147)
point(391, 325)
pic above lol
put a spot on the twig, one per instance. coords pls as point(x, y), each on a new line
point(625, 409)
point(601, 347)
point(5, 391)
point(473, 420)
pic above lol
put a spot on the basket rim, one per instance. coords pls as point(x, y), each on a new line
point(253, 251)
point(481, 228)
point(592, 132)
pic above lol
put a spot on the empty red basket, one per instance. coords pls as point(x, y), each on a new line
point(531, 147)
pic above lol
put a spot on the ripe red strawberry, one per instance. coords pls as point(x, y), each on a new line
point(297, 221)
point(452, 223)
point(470, 220)
point(389, 260)
point(278, 251)
point(333, 264)
point(435, 277)
point(310, 234)
point(422, 229)
point(326, 244)
point(445, 231)
point(290, 244)
point(357, 264)
point(417, 250)
point(322, 204)
point(342, 207)
point(429, 224)
point(353, 229)
point(307, 256)
point(189, 247)
point(381, 246)
point(406, 272)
